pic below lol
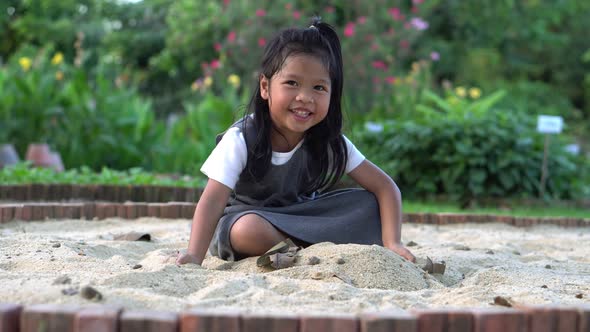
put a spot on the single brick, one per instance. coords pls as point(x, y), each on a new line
point(131, 210)
point(37, 211)
point(20, 192)
point(505, 219)
point(151, 193)
point(170, 211)
point(10, 316)
point(48, 318)
point(584, 318)
point(66, 191)
point(187, 210)
point(190, 195)
point(410, 218)
point(7, 212)
point(141, 210)
point(88, 211)
point(504, 320)
point(270, 323)
point(125, 193)
point(198, 320)
point(110, 210)
point(121, 211)
point(72, 210)
point(27, 212)
point(97, 319)
point(166, 193)
point(329, 323)
point(137, 194)
point(390, 321)
point(148, 321)
point(153, 210)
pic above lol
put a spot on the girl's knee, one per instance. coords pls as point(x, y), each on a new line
point(253, 235)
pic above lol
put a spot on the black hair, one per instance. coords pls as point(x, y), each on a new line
point(324, 141)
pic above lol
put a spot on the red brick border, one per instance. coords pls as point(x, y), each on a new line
point(93, 192)
point(185, 210)
point(49, 317)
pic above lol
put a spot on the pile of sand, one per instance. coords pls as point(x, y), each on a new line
point(51, 261)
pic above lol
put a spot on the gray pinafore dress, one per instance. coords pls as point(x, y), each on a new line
point(340, 216)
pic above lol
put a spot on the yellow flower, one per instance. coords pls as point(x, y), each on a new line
point(208, 81)
point(474, 93)
point(59, 76)
point(57, 59)
point(25, 63)
point(234, 80)
point(461, 92)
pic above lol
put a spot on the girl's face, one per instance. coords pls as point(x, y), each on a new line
point(298, 97)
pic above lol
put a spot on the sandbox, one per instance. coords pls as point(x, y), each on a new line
point(524, 274)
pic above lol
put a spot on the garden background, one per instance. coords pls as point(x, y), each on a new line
point(443, 94)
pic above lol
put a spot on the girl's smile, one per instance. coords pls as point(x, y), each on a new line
point(298, 98)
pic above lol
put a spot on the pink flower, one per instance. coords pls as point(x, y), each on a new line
point(261, 42)
point(419, 24)
point(395, 13)
point(349, 29)
point(435, 56)
point(378, 64)
point(288, 6)
point(329, 9)
point(417, 2)
point(215, 64)
point(217, 47)
point(404, 44)
point(296, 15)
point(362, 20)
point(225, 2)
point(231, 37)
point(260, 12)
point(390, 79)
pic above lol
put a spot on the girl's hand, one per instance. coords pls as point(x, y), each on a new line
point(185, 258)
point(402, 251)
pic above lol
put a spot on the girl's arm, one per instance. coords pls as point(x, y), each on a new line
point(209, 209)
point(389, 197)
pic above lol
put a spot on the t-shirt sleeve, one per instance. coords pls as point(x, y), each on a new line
point(227, 161)
point(355, 157)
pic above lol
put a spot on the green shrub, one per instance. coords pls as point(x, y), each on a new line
point(92, 122)
point(468, 150)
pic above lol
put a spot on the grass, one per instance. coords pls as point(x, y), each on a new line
point(517, 211)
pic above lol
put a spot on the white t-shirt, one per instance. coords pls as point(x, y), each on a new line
point(227, 161)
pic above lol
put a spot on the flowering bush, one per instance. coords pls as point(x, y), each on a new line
point(90, 121)
point(377, 41)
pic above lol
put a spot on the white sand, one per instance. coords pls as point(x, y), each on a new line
point(539, 265)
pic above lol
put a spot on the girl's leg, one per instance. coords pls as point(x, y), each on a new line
point(252, 235)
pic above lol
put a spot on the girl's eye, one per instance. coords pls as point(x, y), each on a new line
point(291, 83)
point(320, 88)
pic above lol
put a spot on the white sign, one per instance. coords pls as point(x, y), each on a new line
point(549, 124)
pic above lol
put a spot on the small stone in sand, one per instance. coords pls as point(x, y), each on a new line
point(313, 260)
point(579, 296)
point(516, 252)
point(411, 244)
point(499, 300)
point(544, 286)
point(548, 266)
point(461, 247)
point(137, 266)
point(56, 245)
point(90, 293)
point(317, 276)
point(340, 261)
point(69, 291)
point(62, 280)
point(490, 252)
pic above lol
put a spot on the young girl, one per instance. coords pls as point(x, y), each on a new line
point(269, 172)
